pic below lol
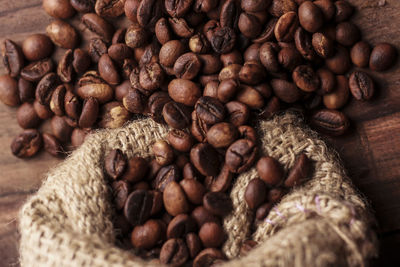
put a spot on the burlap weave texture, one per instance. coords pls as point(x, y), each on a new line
point(322, 223)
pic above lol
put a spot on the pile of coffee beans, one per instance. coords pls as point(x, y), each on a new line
point(190, 64)
point(169, 208)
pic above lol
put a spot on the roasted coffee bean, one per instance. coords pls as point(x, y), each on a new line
point(27, 117)
point(201, 215)
point(65, 68)
point(199, 44)
point(148, 12)
point(72, 105)
point(303, 42)
point(270, 108)
point(83, 6)
point(166, 175)
point(275, 194)
point(217, 203)
point(289, 58)
point(227, 90)
point(223, 40)
point(26, 90)
point(339, 63)
point(175, 201)
point(133, 100)
point(180, 225)
point(310, 16)
point(211, 235)
point(90, 111)
point(113, 115)
point(286, 27)
point(241, 155)
point(208, 257)
point(255, 193)
point(109, 8)
point(254, 6)
point(198, 128)
point(151, 76)
point(187, 66)
point(57, 100)
point(347, 33)
point(250, 96)
point(118, 52)
point(107, 70)
point(163, 152)
point(174, 252)
point(9, 91)
point(327, 8)
point(61, 129)
point(37, 47)
point(361, 85)
point(78, 137)
point(221, 182)
point(249, 25)
point(154, 167)
point(115, 163)
point(322, 45)
point(180, 27)
point(382, 57)
point(233, 57)
point(194, 190)
point(157, 199)
point(180, 140)
point(263, 210)
point(37, 70)
point(162, 31)
point(205, 158)
point(327, 80)
point(99, 26)
point(119, 36)
point(146, 236)
point(267, 34)
point(280, 7)
point(130, 9)
point(339, 97)
point(156, 104)
point(252, 53)
point(210, 110)
point(121, 190)
point(181, 161)
point(238, 113)
point(330, 122)
point(42, 111)
point(52, 145)
point(45, 88)
point(177, 8)
point(228, 16)
point(230, 72)
point(138, 207)
point(343, 11)
point(204, 5)
point(211, 89)
point(60, 9)
point(62, 34)
point(193, 243)
point(247, 246)
point(222, 135)
point(190, 172)
point(92, 85)
point(184, 91)
point(170, 52)
point(360, 54)
point(127, 67)
point(305, 78)
point(252, 73)
point(269, 56)
point(299, 172)
point(97, 48)
point(270, 170)
point(13, 57)
point(136, 36)
point(26, 144)
point(176, 115)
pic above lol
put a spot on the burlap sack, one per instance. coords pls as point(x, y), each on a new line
point(322, 223)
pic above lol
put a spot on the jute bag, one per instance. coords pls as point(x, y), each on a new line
point(324, 222)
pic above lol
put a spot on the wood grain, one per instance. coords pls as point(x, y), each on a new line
point(370, 152)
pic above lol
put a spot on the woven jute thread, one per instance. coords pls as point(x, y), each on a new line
point(322, 223)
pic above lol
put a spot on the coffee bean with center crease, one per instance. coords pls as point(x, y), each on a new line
point(156, 104)
point(222, 135)
point(52, 145)
point(138, 207)
point(217, 203)
point(205, 158)
point(210, 110)
point(193, 189)
point(107, 70)
point(91, 84)
point(13, 58)
point(57, 100)
point(322, 45)
point(163, 152)
point(180, 225)
point(252, 73)
point(249, 25)
point(109, 8)
point(241, 155)
point(99, 26)
point(305, 78)
point(327, 80)
point(176, 115)
point(177, 8)
point(286, 27)
point(72, 105)
point(136, 36)
point(45, 88)
point(115, 163)
point(361, 85)
point(37, 70)
point(166, 175)
point(187, 66)
point(134, 100)
point(180, 140)
point(221, 182)
point(180, 27)
point(382, 57)
point(174, 252)
point(269, 56)
point(146, 236)
point(97, 48)
point(339, 97)
point(223, 40)
point(299, 172)
point(113, 115)
point(238, 113)
point(9, 91)
point(90, 111)
point(162, 31)
point(26, 144)
point(330, 122)
point(119, 52)
point(148, 12)
point(151, 76)
point(83, 6)
point(208, 257)
point(303, 42)
point(65, 68)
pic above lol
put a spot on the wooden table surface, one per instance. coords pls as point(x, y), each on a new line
point(370, 152)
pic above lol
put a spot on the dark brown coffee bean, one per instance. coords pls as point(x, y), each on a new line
point(83, 6)
point(210, 110)
point(382, 57)
point(187, 66)
point(157, 199)
point(211, 235)
point(229, 13)
point(90, 111)
point(27, 117)
point(205, 158)
point(26, 144)
point(217, 203)
point(45, 88)
point(322, 45)
point(26, 90)
point(154, 167)
point(166, 175)
point(134, 100)
point(305, 78)
point(113, 115)
point(360, 54)
point(37, 70)
point(199, 44)
point(208, 257)
point(223, 40)
point(163, 152)
point(339, 63)
point(148, 12)
point(107, 70)
point(299, 172)
point(327, 80)
point(174, 252)
point(361, 85)
point(52, 145)
point(9, 91)
point(252, 72)
point(162, 31)
point(175, 201)
point(184, 91)
point(230, 72)
point(62, 34)
point(57, 100)
point(199, 128)
point(42, 111)
point(339, 97)
point(270, 170)
point(109, 8)
point(127, 67)
point(37, 47)
point(204, 5)
point(343, 11)
point(238, 113)
point(92, 85)
point(221, 182)
point(193, 243)
point(97, 48)
point(60, 9)
point(267, 34)
point(130, 9)
point(249, 25)
point(255, 193)
point(252, 53)
point(177, 8)
point(269, 56)
point(272, 107)
point(250, 96)
point(201, 215)
point(327, 8)
point(61, 129)
point(156, 104)
point(263, 211)
point(189, 171)
point(151, 76)
point(138, 207)
point(275, 194)
point(78, 137)
point(222, 135)
point(180, 225)
point(119, 36)
point(121, 190)
point(146, 236)
point(118, 52)
point(303, 43)
point(193, 189)
point(248, 132)
point(233, 57)
point(289, 58)
point(286, 27)
point(180, 27)
point(241, 155)
point(99, 26)
point(72, 105)
point(150, 54)
point(65, 68)
point(136, 36)
point(176, 115)
point(13, 57)
point(247, 246)
point(310, 16)
point(170, 52)
point(280, 7)
point(347, 33)
point(211, 89)
point(180, 140)
point(330, 122)
point(115, 163)
point(254, 6)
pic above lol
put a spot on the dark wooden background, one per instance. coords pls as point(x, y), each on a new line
point(370, 152)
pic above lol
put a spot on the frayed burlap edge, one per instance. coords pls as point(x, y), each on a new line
point(323, 223)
